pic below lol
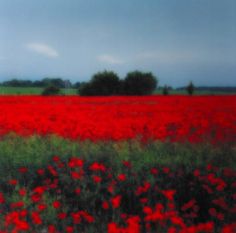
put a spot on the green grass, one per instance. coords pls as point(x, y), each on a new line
point(31, 91)
point(36, 151)
point(183, 92)
point(72, 91)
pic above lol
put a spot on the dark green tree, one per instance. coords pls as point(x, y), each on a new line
point(76, 85)
point(105, 83)
point(51, 90)
point(139, 83)
point(86, 89)
point(165, 90)
point(57, 82)
point(38, 83)
point(190, 88)
point(17, 83)
point(102, 84)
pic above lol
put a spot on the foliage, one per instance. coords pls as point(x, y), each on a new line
point(76, 195)
point(86, 89)
point(102, 84)
point(139, 83)
point(76, 85)
point(190, 88)
point(51, 90)
point(57, 82)
point(17, 83)
point(108, 83)
point(35, 151)
point(165, 90)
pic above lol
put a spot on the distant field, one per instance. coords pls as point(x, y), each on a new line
point(182, 92)
point(31, 91)
point(72, 91)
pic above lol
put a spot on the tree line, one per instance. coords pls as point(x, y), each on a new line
point(108, 83)
point(104, 83)
point(57, 82)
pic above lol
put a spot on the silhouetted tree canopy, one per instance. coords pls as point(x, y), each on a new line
point(85, 89)
point(165, 90)
point(57, 82)
point(102, 83)
point(139, 83)
point(18, 83)
point(76, 85)
point(108, 83)
point(51, 90)
point(190, 88)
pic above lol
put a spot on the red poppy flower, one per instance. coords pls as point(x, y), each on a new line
point(69, 229)
point(97, 167)
point(2, 199)
point(121, 177)
point(115, 201)
point(105, 205)
point(40, 171)
point(51, 229)
point(97, 179)
point(127, 164)
point(61, 215)
point(13, 182)
point(41, 207)
point(154, 171)
point(22, 192)
point(77, 191)
point(56, 204)
point(36, 218)
point(23, 170)
point(56, 158)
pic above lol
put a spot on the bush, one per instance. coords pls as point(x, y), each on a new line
point(102, 83)
point(51, 90)
point(190, 88)
point(108, 83)
point(85, 89)
point(165, 90)
point(139, 83)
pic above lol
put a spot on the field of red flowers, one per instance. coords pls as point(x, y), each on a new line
point(176, 118)
point(98, 193)
point(78, 196)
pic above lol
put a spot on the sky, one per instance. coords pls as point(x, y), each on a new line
point(177, 40)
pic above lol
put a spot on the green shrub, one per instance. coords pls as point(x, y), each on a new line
point(51, 90)
point(165, 90)
point(139, 83)
point(102, 84)
point(190, 88)
point(108, 83)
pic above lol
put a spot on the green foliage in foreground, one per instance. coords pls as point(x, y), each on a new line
point(36, 151)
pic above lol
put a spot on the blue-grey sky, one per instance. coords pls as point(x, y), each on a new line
point(178, 40)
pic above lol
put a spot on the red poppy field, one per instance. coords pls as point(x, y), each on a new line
point(118, 164)
point(77, 196)
point(176, 118)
